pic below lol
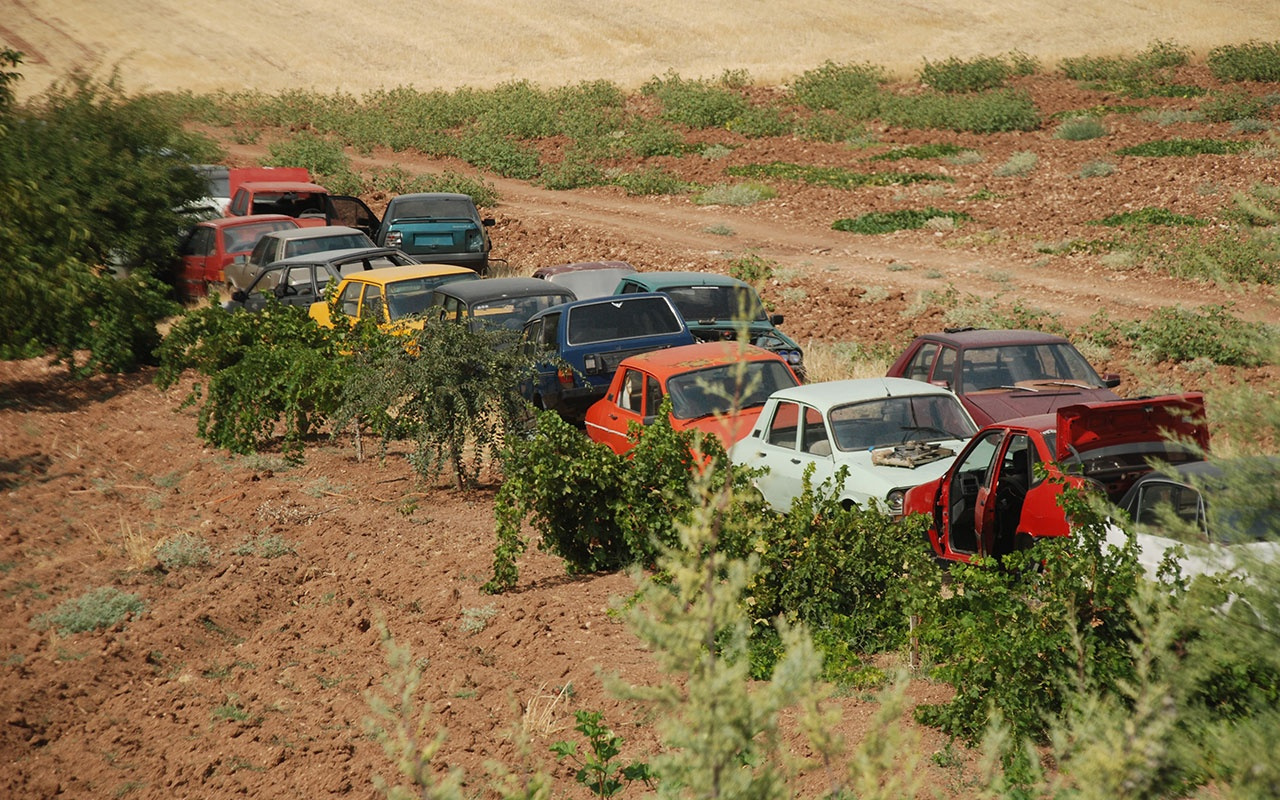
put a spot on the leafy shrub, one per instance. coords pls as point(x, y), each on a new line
point(1149, 215)
point(1077, 129)
point(1173, 333)
point(697, 104)
point(1149, 66)
point(264, 546)
point(650, 181)
point(575, 171)
point(1008, 632)
point(837, 177)
point(1231, 104)
point(322, 156)
point(757, 122)
point(834, 86)
point(395, 180)
point(1251, 61)
point(1184, 147)
point(447, 389)
point(753, 268)
point(878, 222)
point(737, 194)
point(96, 609)
point(647, 138)
point(828, 126)
point(973, 75)
point(993, 111)
point(932, 150)
point(184, 550)
point(498, 153)
point(266, 371)
point(1020, 163)
point(1096, 169)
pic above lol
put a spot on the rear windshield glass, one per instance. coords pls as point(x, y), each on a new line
point(433, 208)
point(618, 318)
point(717, 303)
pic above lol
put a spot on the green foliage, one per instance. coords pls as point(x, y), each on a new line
point(321, 156)
point(1250, 61)
point(837, 177)
point(757, 122)
point(992, 111)
point(265, 545)
point(96, 609)
point(1232, 104)
point(695, 103)
point(1173, 333)
point(395, 180)
point(932, 150)
point(576, 170)
point(753, 268)
point(836, 86)
point(1020, 163)
point(1009, 634)
point(878, 222)
point(498, 153)
point(996, 312)
point(1078, 129)
point(959, 75)
point(78, 209)
point(1146, 74)
point(599, 769)
point(1096, 169)
point(650, 181)
point(184, 550)
point(266, 371)
point(448, 389)
point(1149, 215)
point(1185, 147)
point(853, 576)
point(737, 194)
point(8, 77)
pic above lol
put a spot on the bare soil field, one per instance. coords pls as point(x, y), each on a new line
point(249, 677)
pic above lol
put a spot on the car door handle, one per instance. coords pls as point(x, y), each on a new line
point(613, 416)
point(795, 461)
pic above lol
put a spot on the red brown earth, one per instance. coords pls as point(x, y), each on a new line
point(95, 473)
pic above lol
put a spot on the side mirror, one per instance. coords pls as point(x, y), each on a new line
point(1111, 380)
point(649, 419)
point(241, 259)
point(239, 295)
point(487, 222)
point(775, 319)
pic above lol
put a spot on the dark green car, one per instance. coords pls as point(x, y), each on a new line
point(718, 308)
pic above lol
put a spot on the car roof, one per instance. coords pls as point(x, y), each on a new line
point(248, 219)
point(316, 232)
point(688, 357)
point(663, 280)
point(284, 186)
point(490, 288)
point(334, 256)
point(991, 337)
point(617, 299)
point(828, 394)
point(384, 275)
point(581, 266)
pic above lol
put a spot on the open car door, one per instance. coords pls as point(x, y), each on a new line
point(353, 212)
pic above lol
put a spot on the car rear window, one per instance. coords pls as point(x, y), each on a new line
point(618, 318)
point(433, 208)
point(717, 303)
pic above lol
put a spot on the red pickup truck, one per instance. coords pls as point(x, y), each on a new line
point(992, 501)
point(309, 203)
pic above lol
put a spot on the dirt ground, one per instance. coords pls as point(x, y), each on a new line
point(249, 677)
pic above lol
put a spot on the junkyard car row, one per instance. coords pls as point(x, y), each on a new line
point(980, 431)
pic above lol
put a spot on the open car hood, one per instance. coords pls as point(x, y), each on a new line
point(1089, 426)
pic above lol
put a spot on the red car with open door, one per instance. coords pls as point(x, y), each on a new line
point(993, 501)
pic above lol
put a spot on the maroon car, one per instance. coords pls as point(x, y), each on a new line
point(210, 246)
point(1004, 374)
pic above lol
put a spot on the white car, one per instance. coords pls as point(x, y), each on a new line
point(1206, 548)
point(892, 434)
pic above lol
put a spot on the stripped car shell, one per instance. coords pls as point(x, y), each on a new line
point(890, 433)
point(993, 499)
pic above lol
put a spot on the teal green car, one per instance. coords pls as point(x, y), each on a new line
point(718, 308)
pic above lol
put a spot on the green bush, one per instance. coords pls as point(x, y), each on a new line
point(1185, 147)
point(1173, 333)
point(757, 122)
point(1153, 65)
point(1096, 169)
point(992, 111)
point(1078, 129)
point(1232, 104)
point(97, 609)
point(1149, 215)
point(834, 86)
point(182, 551)
point(650, 181)
point(1251, 61)
point(922, 151)
point(837, 177)
point(269, 374)
point(1020, 163)
point(696, 104)
point(959, 75)
point(576, 170)
point(878, 222)
point(737, 194)
point(498, 153)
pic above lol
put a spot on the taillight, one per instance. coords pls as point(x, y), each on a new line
point(565, 376)
point(394, 238)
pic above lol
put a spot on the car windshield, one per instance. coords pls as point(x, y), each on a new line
point(726, 388)
point(889, 421)
point(621, 318)
point(433, 208)
point(512, 312)
point(1010, 365)
point(717, 303)
point(412, 296)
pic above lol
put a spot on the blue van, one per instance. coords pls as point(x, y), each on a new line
point(579, 345)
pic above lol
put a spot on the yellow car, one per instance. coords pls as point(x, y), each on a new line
point(394, 296)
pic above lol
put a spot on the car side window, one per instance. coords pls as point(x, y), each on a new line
point(652, 396)
point(945, 368)
point(259, 254)
point(349, 300)
point(240, 203)
point(784, 427)
point(372, 307)
point(631, 396)
point(813, 438)
point(922, 362)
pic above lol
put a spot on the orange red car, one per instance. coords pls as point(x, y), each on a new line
point(716, 387)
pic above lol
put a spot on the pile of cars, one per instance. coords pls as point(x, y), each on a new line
point(980, 431)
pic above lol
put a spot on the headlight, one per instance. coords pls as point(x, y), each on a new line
point(895, 500)
point(794, 357)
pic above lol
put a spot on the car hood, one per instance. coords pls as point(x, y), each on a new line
point(1086, 427)
point(1040, 398)
point(731, 428)
point(874, 473)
